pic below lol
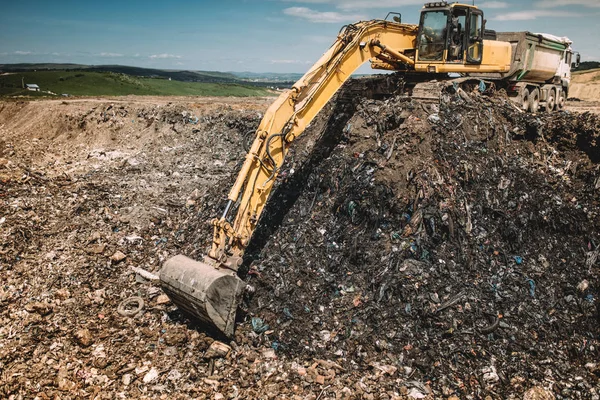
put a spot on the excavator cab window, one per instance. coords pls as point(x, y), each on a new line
point(475, 41)
point(432, 35)
point(456, 34)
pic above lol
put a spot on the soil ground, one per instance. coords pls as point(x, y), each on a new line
point(585, 86)
point(90, 188)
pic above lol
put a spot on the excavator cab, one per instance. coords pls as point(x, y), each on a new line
point(450, 34)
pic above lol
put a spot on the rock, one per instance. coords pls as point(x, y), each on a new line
point(62, 294)
point(217, 350)
point(591, 366)
point(175, 337)
point(174, 375)
point(39, 308)
point(162, 299)
point(538, 393)
point(97, 248)
point(583, 285)
point(142, 369)
point(490, 375)
point(95, 237)
point(65, 384)
point(151, 375)
point(386, 369)
point(118, 257)
point(126, 379)
point(320, 379)
point(414, 393)
point(84, 337)
point(269, 354)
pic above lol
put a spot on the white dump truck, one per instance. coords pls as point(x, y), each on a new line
point(540, 71)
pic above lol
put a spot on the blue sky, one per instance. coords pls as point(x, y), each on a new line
point(241, 35)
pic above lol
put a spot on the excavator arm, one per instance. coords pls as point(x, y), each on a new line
point(289, 116)
point(211, 290)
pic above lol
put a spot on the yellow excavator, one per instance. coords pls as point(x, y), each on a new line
point(450, 38)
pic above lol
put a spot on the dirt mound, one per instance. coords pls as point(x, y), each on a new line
point(585, 86)
point(456, 245)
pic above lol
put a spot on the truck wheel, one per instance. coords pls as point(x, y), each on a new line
point(551, 101)
point(560, 102)
point(525, 99)
point(534, 100)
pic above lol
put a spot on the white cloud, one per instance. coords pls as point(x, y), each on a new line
point(331, 17)
point(22, 53)
point(534, 14)
point(492, 4)
point(565, 3)
point(289, 62)
point(110, 55)
point(164, 55)
point(393, 5)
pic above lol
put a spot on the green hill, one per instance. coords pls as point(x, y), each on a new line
point(587, 65)
point(86, 83)
point(244, 78)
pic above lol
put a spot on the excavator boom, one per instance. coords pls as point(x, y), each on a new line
point(211, 290)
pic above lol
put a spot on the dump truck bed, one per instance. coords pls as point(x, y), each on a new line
point(536, 57)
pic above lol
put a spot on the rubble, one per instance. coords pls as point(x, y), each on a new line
point(425, 251)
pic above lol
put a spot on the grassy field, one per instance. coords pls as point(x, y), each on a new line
point(82, 83)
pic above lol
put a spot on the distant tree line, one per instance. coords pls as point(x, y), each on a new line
point(585, 65)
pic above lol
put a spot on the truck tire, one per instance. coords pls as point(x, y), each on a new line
point(534, 100)
point(551, 100)
point(561, 100)
point(525, 97)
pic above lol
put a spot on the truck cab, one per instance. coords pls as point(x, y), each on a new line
point(450, 34)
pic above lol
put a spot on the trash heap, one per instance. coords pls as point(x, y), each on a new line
point(452, 246)
point(410, 250)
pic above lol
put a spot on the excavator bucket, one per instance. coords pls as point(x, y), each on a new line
point(210, 294)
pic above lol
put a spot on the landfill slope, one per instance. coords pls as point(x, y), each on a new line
point(455, 244)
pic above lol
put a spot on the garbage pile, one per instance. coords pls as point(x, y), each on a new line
point(410, 250)
point(453, 248)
